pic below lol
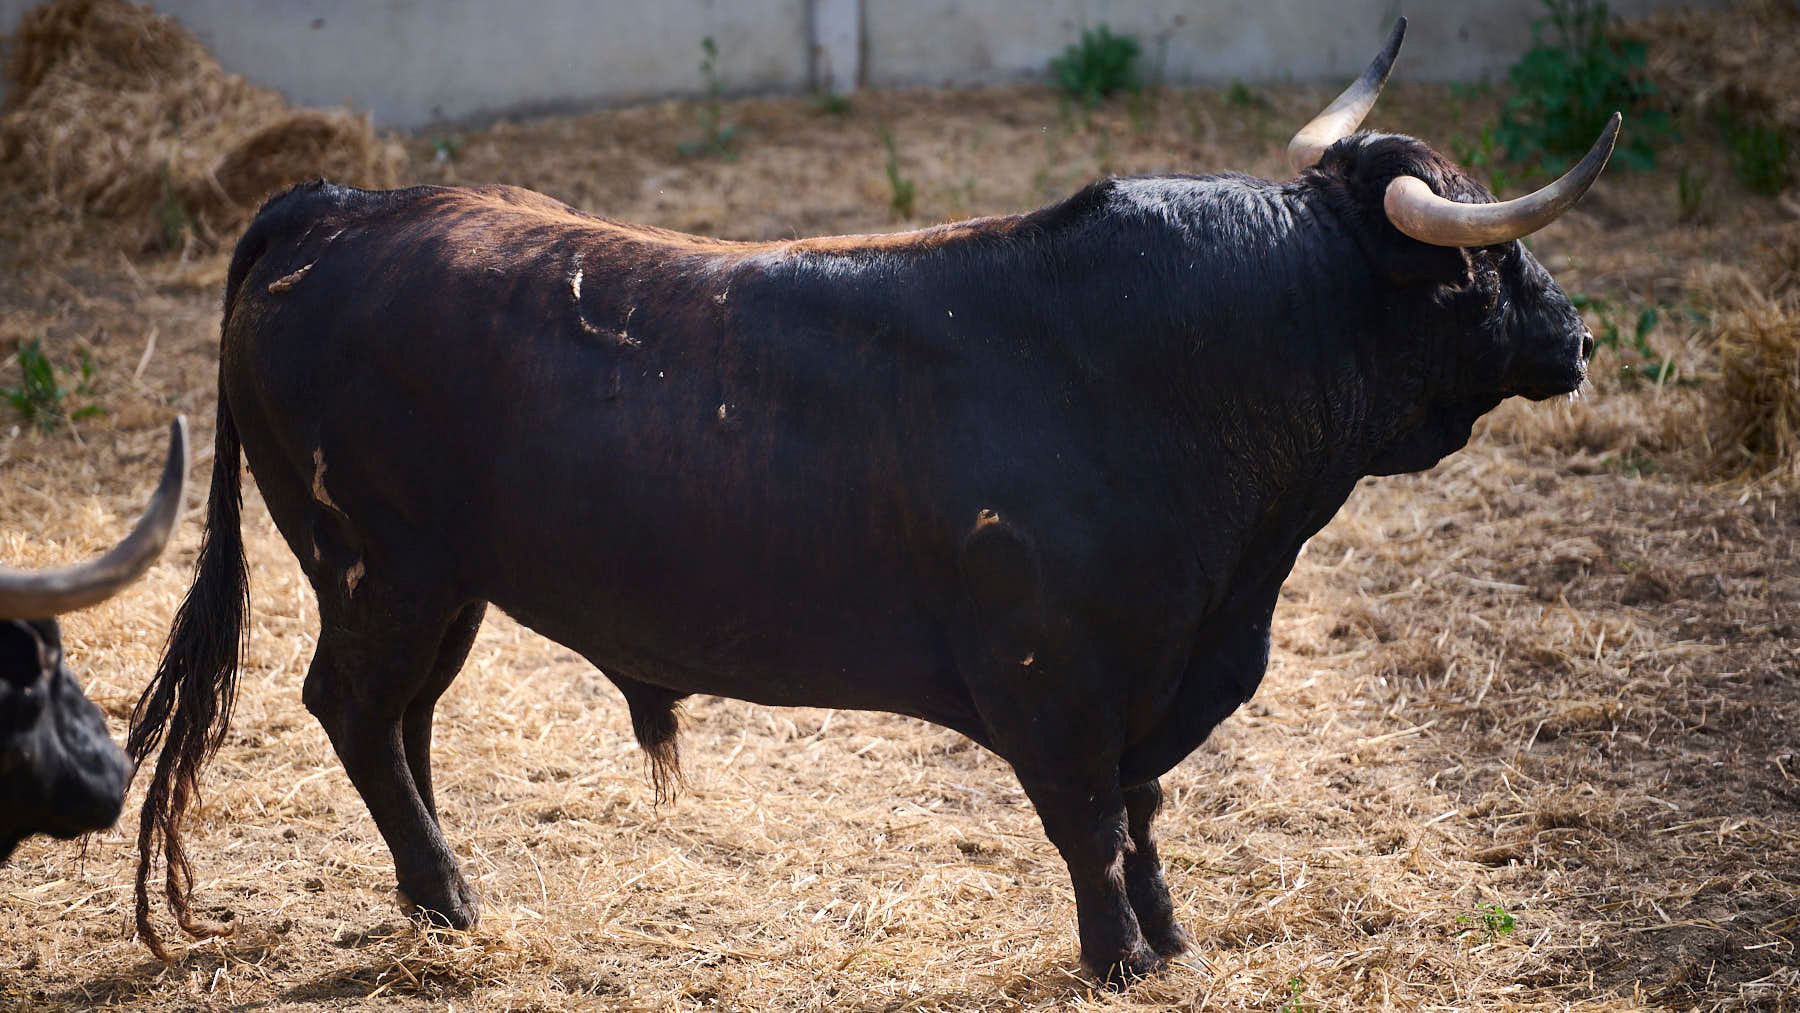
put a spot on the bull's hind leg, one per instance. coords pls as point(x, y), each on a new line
point(416, 725)
point(1144, 877)
point(382, 651)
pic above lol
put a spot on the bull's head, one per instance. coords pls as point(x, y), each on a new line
point(60, 773)
point(1443, 240)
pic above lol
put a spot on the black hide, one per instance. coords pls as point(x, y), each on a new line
point(60, 773)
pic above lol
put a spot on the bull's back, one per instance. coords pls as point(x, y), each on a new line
point(630, 442)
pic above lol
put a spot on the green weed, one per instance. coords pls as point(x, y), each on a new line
point(901, 189)
point(1569, 85)
point(1097, 67)
point(445, 147)
point(1296, 995)
point(716, 136)
point(41, 399)
point(1243, 96)
point(832, 103)
point(174, 222)
point(1761, 154)
point(1633, 463)
point(1690, 192)
point(1482, 155)
point(1649, 364)
point(1489, 920)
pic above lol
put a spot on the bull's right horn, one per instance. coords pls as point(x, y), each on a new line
point(1422, 214)
point(41, 594)
point(1346, 112)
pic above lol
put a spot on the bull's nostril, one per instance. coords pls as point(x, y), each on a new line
point(1587, 345)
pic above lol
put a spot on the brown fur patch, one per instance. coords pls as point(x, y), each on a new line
point(499, 216)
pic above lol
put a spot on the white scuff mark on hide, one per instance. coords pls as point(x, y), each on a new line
point(575, 291)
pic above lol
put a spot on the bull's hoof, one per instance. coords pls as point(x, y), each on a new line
point(1168, 940)
point(454, 908)
point(1141, 962)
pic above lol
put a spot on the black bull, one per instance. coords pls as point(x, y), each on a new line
point(60, 773)
point(1035, 478)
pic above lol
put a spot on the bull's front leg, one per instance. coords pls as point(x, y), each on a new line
point(1088, 825)
point(1050, 699)
point(1059, 725)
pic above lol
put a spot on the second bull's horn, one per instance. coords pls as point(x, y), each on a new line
point(1420, 213)
point(1346, 111)
point(41, 594)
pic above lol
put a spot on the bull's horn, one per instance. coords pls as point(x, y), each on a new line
point(1417, 211)
point(40, 594)
point(1347, 110)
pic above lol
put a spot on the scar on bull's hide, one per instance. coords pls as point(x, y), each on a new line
point(319, 492)
point(621, 336)
point(285, 282)
point(353, 574)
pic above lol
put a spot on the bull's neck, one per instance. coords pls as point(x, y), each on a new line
point(1248, 330)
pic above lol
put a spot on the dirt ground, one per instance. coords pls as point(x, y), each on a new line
point(1551, 685)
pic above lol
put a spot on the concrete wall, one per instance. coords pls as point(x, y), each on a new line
point(973, 41)
point(410, 62)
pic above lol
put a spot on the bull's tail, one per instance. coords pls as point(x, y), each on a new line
point(188, 704)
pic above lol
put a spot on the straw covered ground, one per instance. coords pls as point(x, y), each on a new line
point(1553, 684)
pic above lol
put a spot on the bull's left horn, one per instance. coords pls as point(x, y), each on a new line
point(40, 594)
point(1346, 112)
point(1417, 211)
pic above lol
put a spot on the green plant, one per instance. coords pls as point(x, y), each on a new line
point(1690, 192)
point(1649, 363)
point(1633, 463)
point(715, 134)
point(446, 147)
point(40, 399)
point(1296, 992)
point(174, 223)
point(1098, 66)
point(901, 189)
point(1567, 86)
point(1761, 154)
point(1481, 154)
point(832, 103)
point(1243, 96)
point(1491, 920)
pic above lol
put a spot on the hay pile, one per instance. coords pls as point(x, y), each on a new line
point(118, 113)
point(1755, 327)
point(1725, 60)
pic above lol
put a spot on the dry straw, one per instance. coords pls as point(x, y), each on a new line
point(1755, 324)
point(119, 113)
point(1728, 60)
point(1546, 677)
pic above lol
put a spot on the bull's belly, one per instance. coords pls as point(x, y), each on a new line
point(778, 646)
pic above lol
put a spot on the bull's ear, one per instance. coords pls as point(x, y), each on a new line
point(1406, 261)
